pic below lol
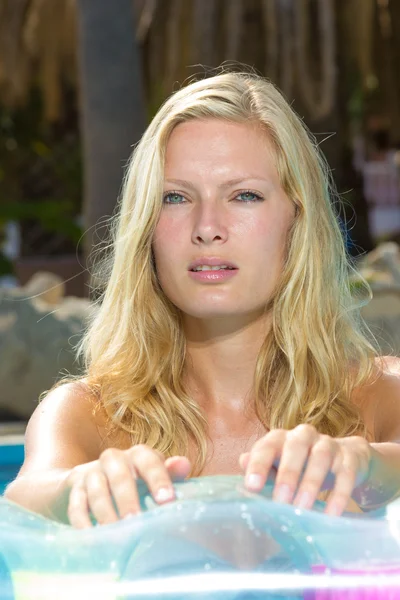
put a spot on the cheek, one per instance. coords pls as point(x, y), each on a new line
point(265, 239)
point(267, 249)
point(166, 241)
point(169, 255)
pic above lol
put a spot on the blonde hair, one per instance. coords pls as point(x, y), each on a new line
point(317, 351)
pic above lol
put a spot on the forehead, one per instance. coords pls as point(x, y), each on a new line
point(211, 142)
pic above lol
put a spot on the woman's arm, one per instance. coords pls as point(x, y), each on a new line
point(61, 434)
point(383, 484)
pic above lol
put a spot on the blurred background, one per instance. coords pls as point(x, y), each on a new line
point(79, 82)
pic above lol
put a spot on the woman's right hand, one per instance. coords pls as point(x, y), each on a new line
point(93, 486)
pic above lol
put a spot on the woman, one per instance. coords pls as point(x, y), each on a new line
point(227, 336)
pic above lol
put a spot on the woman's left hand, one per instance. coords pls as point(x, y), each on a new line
point(306, 458)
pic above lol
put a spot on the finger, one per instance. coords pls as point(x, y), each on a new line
point(78, 508)
point(261, 458)
point(244, 460)
point(320, 461)
point(150, 466)
point(346, 475)
point(99, 497)
point(121, 479)
point(295, 452)
point(178, 467)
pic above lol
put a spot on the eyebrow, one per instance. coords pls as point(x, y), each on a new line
point(227, 184)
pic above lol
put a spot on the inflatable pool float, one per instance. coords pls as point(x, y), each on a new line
point(215, 541)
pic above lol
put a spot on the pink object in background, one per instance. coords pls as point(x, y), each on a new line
point(381, 182)
point(382, 192)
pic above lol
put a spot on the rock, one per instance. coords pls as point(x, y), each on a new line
point(47, 286)
point(38, 330)
point(381, 268)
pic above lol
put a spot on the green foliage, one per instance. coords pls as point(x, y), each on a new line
point(6, 266)
point(39, 161)
point(53, 216)
point(40, 171)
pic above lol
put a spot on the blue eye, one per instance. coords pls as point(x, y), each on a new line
point(172, 198)
point(251, 196)
point(247, 197)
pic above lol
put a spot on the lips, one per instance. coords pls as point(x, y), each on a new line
point(214, 261)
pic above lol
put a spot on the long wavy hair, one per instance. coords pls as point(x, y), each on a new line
point(317, 351)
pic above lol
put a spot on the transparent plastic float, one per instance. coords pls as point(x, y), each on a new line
point(216, 541)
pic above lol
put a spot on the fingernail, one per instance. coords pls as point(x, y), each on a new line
point(254, 481)
point(283, 493)
point(129, 516)
point(164, 494)
point(303, 500)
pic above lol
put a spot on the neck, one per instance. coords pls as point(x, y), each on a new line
point(221, 360)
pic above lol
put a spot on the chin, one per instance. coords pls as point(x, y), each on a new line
point(208, 313)
point(236, 316)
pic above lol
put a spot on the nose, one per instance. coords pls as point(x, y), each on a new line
point(209, 224)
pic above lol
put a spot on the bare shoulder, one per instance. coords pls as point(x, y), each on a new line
point(66, 429)
point(382, 396)
point(388, 364)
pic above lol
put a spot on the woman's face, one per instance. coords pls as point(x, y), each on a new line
point(223, 205)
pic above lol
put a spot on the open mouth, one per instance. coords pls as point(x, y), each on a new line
point(207, 268)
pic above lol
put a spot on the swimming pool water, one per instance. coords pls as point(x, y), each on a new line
point(11, 459)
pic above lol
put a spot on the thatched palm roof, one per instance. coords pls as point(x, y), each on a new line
point(37, 47)
point(38, 44)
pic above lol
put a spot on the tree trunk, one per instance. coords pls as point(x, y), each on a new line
point(112, 105)
point(334, 135)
